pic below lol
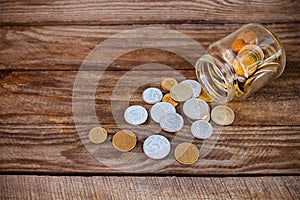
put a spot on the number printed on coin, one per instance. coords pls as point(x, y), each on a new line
point(156, 147)
point(152, 95)
point(135, 115)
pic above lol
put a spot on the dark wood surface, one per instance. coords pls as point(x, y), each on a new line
point(42, 45)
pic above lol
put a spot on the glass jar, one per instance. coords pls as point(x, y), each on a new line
point(241, 63)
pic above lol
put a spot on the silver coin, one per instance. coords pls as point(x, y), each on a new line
point(171, 122)
point(206, 118)
point(135, 115)
point(195, 108)
point(152, 95)
point(160, 109)
point(156, 147)
point(195, 85)
point(201, 129)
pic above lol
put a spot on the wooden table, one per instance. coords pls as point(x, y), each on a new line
point(43, 44)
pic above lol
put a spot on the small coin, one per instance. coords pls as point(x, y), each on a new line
point(201, 129)
point(152, 95)
point(124, 140)
point(186, 153)
point(206, 118)
point(195, 85)
point(222, 115)
point(97, 135)
point(171, 122)
point(195, 108)
point(248, 36)
point(167, 98)
point(167, 84)
point(135, 115)
point(204, 97)
point(237, 45)
point(160, 109)
point(156, 147)
point(181, 92)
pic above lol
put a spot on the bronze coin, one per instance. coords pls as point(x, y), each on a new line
point(237, 45)
point(167, 84)
point(124, 140)
point(167, 98)
point(186, 153)
point(248, 36)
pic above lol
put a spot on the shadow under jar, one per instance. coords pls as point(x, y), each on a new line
point(241, 63)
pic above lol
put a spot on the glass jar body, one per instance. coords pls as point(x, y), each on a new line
point(241, 63)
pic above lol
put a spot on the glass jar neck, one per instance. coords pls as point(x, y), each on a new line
point(216, 78)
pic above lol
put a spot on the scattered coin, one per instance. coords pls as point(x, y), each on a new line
point(135, 115)
point(167, 84)
point(222, 115)
point(124, 140)
point(195, 85)
point(205, 97)
point(171, 122)
point(156, 147)
point(248, 36)
point(195, 108)
point(168, 98)
point(186, 153)
point(152, 95)
point(181, 92)
point(160, 109)
point(201, 129)
point(97, 135)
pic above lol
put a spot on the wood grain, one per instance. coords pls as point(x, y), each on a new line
point(107, 187)
point(65, 47)
point(146, 12)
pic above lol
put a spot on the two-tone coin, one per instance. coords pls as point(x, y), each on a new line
point(167, 83)
point(167, 98)
point(195, 85)
point(152, 95)
point(135, 115)
point(195, 108)
point(186, 153)
point(201, 129)
point(97, 135)
point(124, 140)
point(160, 109)
point(222, 115)
point(181, 92)
point(156, 147)
point(171, 122)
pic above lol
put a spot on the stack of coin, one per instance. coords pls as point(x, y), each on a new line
point(160, 109)
point(196, 109)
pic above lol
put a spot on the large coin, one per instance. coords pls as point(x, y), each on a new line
point(181, 92)
point(152, 95)
point(201, 129)
point(167, 98)
point(195, 108)
point(97, 135)
point(167, 84)
point(171, 122)
point(186, 153)
point(160, 109)
point(195, 85)
point(124, 140)
point(135, 115)
point(156, 147)
point(222, 115)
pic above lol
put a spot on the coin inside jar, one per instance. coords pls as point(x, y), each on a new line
point(160, 109)
point(156, 147)
point(248, 36)
point(97, 135)
point(195, 108)
point(171, 122)
point(167, 98)
point(124, 140)
point(167, 84)
point(195, 85)
point(237, 45)
point(181, 92)
point(152, 95)
point(201, 129)
point(135, 115)
point(186, 153)
point(222, 115)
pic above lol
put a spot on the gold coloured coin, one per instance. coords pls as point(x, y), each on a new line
point(222, 115)
point(124, 140)
point(204, 97)
point(248, 36)
point(97, 135)
point(167, 98)
point(181, 92)
point(238, 68)
point(167, 84)
point(237, 45)
point(186, 153)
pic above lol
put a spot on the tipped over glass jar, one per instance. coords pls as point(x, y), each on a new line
point(241, 63)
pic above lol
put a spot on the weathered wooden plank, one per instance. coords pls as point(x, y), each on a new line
point(107, 187)
point(145, 12)
point(65, 47)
